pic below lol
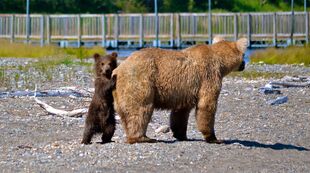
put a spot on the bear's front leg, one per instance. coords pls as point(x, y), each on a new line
point(205, 114)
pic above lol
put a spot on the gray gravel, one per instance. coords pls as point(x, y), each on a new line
point(259, 137)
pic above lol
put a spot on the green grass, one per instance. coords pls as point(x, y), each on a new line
point(20, 50)
point(289, 55)
point(252, 75)
point(47, 59)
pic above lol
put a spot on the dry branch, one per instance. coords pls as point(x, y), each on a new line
point(296, 81)
point(74, 113)
point(291, 84)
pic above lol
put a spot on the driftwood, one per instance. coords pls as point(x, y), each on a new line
point(295, 81)
point(291, 84)
point(74, 113)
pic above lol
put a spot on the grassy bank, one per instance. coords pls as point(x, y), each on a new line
point(289, 55)
point(46, 61)
point(20, 50)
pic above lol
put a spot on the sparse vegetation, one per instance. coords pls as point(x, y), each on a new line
point(20, 50)
point(46, 60)
point(290, 55)
point(251, 75)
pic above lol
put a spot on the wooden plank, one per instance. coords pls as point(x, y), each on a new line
point(48, 28)
point(116, 30)
point(78, 25)
point(235, 27)
point(249, 29)
point(141, 28)
point(274, 29)
point(103, 31)
point(210, 28)
point(42, 30)
point(171, 30)
point(178, 30)
point(307, 27)
point(12, 27)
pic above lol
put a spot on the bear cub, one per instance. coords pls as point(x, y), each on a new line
point(101, 113)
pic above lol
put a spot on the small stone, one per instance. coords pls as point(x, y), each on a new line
point(163, 129)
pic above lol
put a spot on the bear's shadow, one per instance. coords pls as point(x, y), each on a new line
point(246, 143)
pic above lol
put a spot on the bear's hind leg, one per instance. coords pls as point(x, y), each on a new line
point(89, 130)
point(109, 128)
point(136, 123)
point(178, 123)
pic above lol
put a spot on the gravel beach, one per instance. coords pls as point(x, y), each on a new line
point(258, 137)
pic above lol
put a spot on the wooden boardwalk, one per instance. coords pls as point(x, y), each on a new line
point(175, 29)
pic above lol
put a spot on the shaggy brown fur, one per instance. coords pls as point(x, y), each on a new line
point(177, 80)
point(101, 118)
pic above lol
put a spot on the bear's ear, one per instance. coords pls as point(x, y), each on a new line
point(114, 56)
point(217, 39)
point(96, 56)
point(242, 44)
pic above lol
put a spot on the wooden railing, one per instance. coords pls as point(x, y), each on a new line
point(175, 29)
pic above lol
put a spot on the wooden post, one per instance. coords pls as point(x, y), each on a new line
point(178, 30)
point(292, 22)
point(103, 30)
point(28, 23)
point(42, 31)
point(79, 30)
point(210, 28)
point(116, 30)
point(48, 30)
point(171, 30)
point(275, 29)
point(12, 28)
point(210, 22)
point(141, 41)
point(249, 29)
point(307, 27)
point(236, 26)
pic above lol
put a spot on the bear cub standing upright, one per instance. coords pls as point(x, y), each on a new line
point(101, 113)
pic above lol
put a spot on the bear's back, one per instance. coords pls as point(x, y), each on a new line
point(173, 77)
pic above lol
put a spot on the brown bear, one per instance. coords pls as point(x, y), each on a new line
point(101, 118)
point(154, 78)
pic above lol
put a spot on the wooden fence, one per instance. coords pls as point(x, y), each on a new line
point(175, 29)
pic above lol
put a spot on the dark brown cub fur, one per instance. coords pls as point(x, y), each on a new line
point(101, 113)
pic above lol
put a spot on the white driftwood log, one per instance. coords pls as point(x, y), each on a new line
point(74, 113)
point(295, 81)
point(290, 84)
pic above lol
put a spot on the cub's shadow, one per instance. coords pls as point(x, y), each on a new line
point(246, 143)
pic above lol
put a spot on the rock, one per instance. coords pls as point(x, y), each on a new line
point(264, 90)
point(163, 129)
point(269, 89)
point(278, 100)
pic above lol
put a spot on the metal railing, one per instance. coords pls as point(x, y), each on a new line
point(174, 28)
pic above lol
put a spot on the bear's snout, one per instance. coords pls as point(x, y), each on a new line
point(242, 66)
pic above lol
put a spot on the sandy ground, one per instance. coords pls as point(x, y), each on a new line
point(259, 137)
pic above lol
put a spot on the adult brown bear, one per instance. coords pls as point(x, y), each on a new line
point(177, 80)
